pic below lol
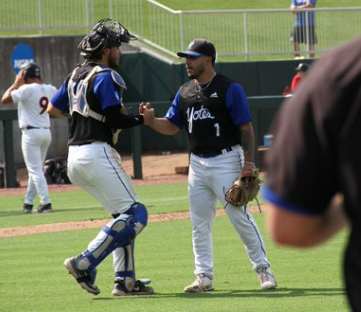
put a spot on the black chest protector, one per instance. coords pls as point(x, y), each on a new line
point(208, 121)
point(87, 122)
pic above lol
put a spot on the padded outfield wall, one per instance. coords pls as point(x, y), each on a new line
point(148, 79)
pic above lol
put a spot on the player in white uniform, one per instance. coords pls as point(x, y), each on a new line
point(92, 99)
point(214, 110)
point(33, 96)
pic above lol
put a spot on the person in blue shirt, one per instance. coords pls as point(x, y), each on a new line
point(304, 27)
point(214, 111)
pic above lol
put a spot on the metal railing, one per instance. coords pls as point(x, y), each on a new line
point(249, 32)
point(245, 33)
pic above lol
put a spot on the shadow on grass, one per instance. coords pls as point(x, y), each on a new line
point(278, 293)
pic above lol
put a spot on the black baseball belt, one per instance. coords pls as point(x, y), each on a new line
point(31, 127)
point(214, 154)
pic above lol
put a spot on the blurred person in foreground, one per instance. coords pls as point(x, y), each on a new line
point(313, 167)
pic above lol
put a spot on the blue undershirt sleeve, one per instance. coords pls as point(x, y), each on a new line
point(60, 100)
point(106, 91)
point(237, 104)
point(273, 198)
point(174, 114)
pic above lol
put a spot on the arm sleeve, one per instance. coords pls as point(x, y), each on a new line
point(20, 94)
point(106, 91)
point(60, 100)
point(236, 102)
point(301, 174)
point(174, 114)
point(109, 95)
point(295, 81)
point(116, 120)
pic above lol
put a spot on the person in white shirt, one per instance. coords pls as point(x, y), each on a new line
point(32, 97)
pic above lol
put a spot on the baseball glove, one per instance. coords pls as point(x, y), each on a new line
point(244, 189)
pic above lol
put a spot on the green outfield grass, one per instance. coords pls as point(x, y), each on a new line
point(32, 277)
point(79, 206)
point(102, 9)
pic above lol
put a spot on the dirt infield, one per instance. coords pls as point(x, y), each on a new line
point(157, 169)
point(80, 225)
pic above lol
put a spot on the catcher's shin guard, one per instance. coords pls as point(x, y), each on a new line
point(124, 266)
point(117, 233)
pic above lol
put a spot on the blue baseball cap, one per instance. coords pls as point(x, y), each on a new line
point(199, 47)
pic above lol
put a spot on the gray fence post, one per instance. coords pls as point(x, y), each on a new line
point(181, 31)
point(10, 173)
point(111, 8)
point(245, 32)
point(136, 143)
point(40, 12)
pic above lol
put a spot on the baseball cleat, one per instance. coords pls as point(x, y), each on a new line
point(202, 284)
point(27, 208)
point(44, 208)
point(266, 278)
point(140, 288)
point(85, 278)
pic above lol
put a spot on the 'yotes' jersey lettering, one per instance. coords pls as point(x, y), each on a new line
point(201, 114)
point(209, 124)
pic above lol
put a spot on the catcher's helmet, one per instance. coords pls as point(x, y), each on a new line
point(105, 34)
point(32, 70)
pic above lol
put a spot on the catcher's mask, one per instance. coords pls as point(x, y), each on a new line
point(32, 70)
point(105, 34)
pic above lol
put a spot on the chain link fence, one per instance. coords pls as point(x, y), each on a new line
point(236, 33)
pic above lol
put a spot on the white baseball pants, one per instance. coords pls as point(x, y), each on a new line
point(35, 144)
point(209, 179)
point(97, 169)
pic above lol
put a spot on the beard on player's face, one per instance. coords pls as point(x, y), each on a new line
point(113, 64)
point(195, 71)
point(114, 59)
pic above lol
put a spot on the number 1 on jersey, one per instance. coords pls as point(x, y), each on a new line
point(217, 129)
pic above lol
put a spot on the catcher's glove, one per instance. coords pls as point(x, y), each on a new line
point(245, 188)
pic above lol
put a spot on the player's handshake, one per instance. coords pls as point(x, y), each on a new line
point(147, 112)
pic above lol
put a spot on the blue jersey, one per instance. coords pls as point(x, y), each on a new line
point(86, 94)
point(212, 114)
point(105, 91)
point(304, 18)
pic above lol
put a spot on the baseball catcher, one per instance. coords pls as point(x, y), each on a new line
point(91, 97)
point(245, 188)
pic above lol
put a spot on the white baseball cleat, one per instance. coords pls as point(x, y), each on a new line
point(266, 278)
point(202, 284)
